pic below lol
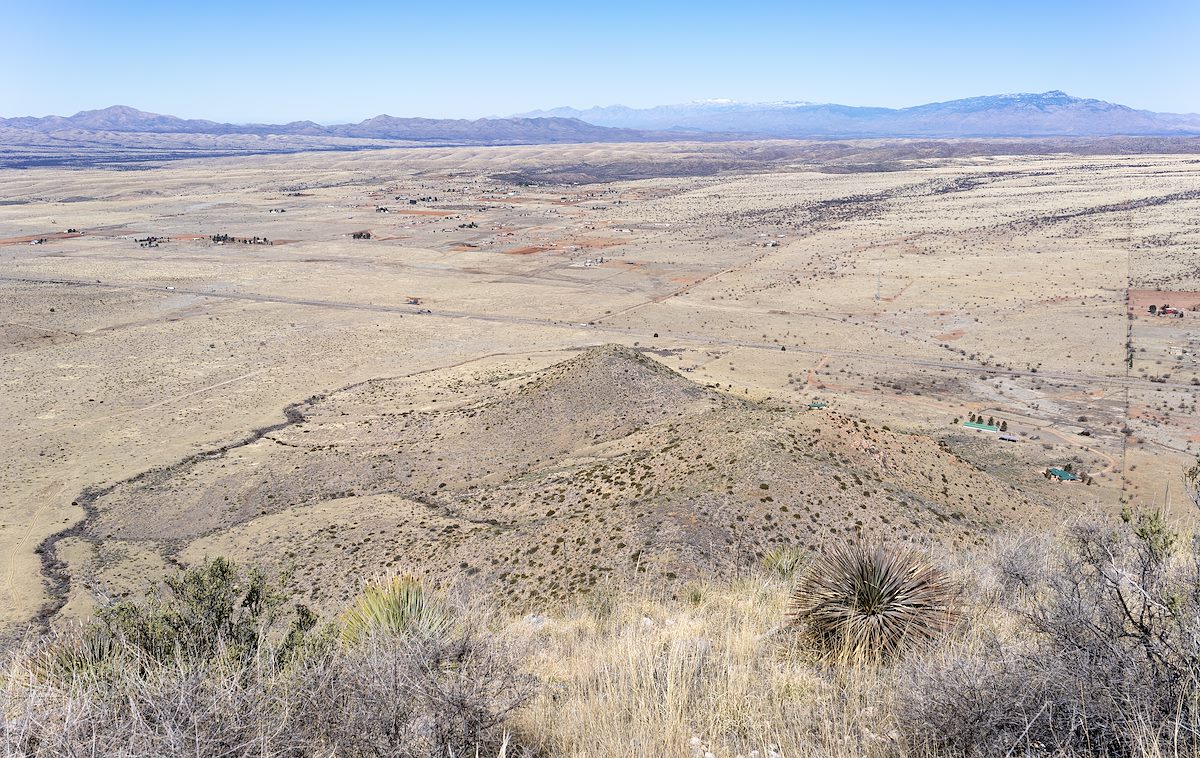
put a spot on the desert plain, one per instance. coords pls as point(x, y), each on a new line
point(535, 369)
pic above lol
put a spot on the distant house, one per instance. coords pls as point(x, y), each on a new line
point(1061, 475)
point(981, 427)
point(1010, 438)
point(818, 405)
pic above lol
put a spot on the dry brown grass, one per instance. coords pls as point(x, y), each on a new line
point(628, 670)
point(650, 677)
point(718, 673)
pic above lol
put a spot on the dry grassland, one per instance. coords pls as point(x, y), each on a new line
point(444, 413)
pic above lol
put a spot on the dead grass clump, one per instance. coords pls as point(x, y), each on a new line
point(658, 676)
point(412, 696)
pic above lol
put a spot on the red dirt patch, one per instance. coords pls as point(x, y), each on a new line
point(33, 237)
point(527, 250)
point(407, 212)
point(1140, 300)
point(949, 336)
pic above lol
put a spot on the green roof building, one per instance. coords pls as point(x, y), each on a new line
point(1062, 475)
point(980, 427)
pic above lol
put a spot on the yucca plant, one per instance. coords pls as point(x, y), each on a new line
point(859, 601)
point(87, 653)
point(784, 561)
point(396, 606)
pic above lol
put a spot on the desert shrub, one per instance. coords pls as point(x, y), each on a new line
point(859, 601)
point(140, 706)
point(1106, 660)
point(143, 680)
point(216, 607)
point(394, 606)
point(413, 696)
point(387, 696)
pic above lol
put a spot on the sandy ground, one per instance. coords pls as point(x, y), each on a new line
point(999, 286)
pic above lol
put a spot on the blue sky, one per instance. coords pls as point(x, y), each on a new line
point(280, 61)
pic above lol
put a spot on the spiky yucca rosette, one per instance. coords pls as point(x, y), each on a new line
point(859, 601)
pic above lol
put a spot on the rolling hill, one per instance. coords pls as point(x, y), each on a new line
point(539, 486)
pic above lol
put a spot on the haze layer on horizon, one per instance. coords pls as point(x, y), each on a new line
point(277, 62)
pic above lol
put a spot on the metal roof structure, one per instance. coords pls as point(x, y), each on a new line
point(980, 427)
point(1063, 475)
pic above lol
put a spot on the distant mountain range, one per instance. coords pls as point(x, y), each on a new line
point(121, 135)
point(120, 119)
point(1049, 114)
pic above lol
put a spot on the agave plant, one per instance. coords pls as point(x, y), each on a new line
point(398, 606)
point(867, 601)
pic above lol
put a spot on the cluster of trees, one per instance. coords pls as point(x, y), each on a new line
point(991, 421)
point(223, 238)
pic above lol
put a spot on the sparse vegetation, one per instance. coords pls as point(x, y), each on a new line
point(186, 673)
point(629, 537)
point(1082, 647)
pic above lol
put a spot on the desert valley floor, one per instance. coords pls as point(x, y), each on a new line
point(534, 368)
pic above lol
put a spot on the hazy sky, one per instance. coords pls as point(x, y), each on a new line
point(280, 61)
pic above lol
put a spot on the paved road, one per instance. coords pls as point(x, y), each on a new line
point(421, 312)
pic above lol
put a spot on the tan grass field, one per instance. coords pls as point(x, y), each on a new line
point(1010, 286)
